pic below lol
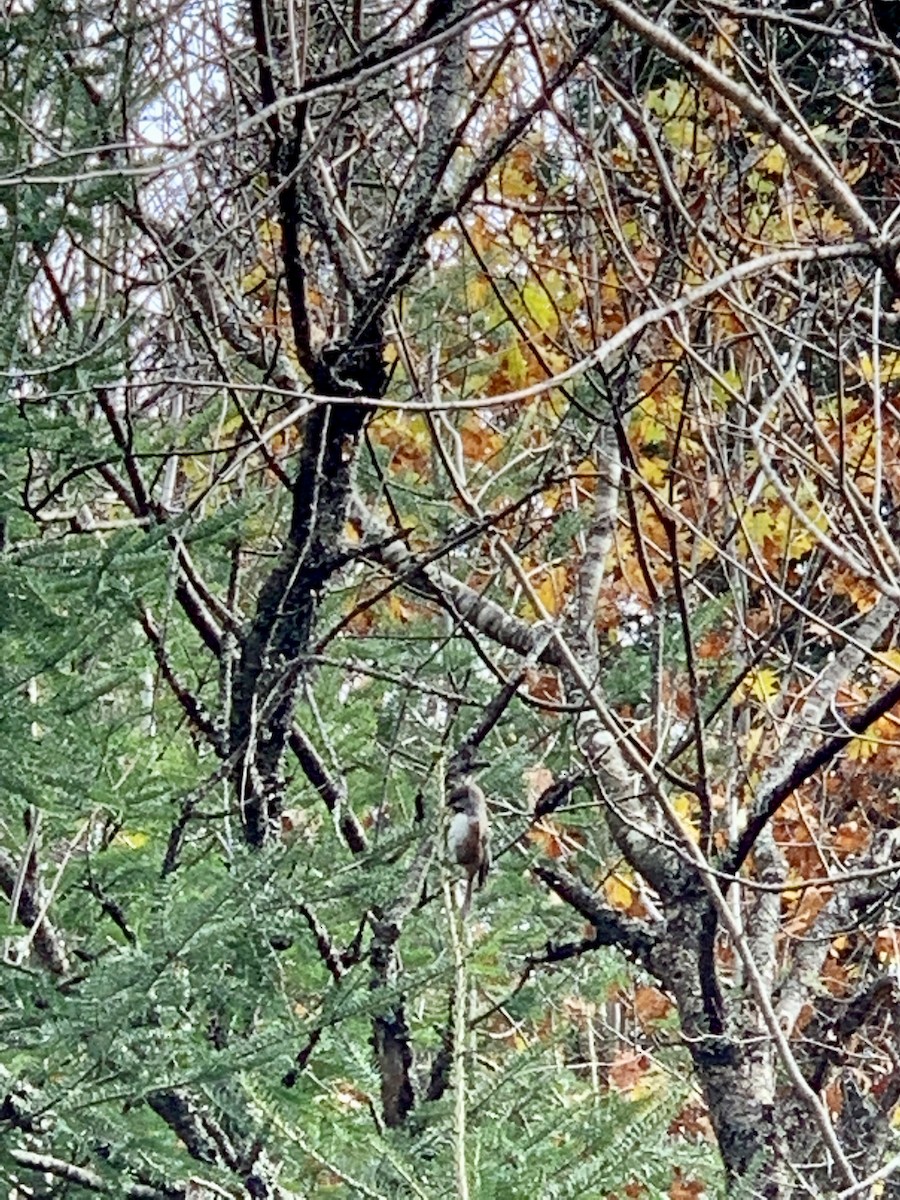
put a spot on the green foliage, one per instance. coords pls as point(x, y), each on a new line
point(148, 488)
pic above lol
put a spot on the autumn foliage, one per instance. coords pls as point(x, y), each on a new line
point(515, 394)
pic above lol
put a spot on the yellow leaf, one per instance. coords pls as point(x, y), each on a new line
point(685, 805)
point(793, 535)
point(633, 231)
point(774, 161)
point(231, 425)
point(253, 278)
point(647, 425)
point(610, 286)
point(521, 233)
point(131, 839)
point(666, 101)
point(540, 307)
point(653, 470)
point(753, 742)
point(619, 893)
point(270, 231)
point(682, 133)
point(832, 225)
point(765, 684)
point(758, 526)
point(477, 290)
point(890, 659)
point(762, 684)
point(854, 174)
point(515, 182)
point(726, 388)
point(862, 748)
point(516, 365)
point(551, 588)
point(888, 367)
point(398, 608)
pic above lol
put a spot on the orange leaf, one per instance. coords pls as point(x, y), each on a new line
point(812, 901)
point(834, 1097)
point(886, 945)
point(479, 441)
point(693, 1122)
point(685, 1188)
point(628, 1069)
point(850, 838)
point(550, 839)
point(651, 1005)
point(714, 644)
point(543, 685)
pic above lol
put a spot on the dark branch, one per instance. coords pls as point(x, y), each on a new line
point(611, 928)
point(768, 805)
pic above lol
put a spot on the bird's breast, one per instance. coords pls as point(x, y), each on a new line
point(463, 840)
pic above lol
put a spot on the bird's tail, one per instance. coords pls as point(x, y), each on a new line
point(467, 899)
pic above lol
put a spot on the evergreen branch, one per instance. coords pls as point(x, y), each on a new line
point(329, 955)
point(47, 1164)
point(182, 1116)
point(333, 791)
point(199, 718)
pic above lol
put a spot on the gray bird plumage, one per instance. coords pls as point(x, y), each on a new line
point(468, 836)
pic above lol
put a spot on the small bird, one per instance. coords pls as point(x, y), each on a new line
point(469, 835)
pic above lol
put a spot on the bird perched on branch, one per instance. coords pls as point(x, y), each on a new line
point(469, 835)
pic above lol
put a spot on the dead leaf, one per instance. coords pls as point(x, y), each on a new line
point(628, 1069)
point(551, 839)
point(543, 685)
point(714, 644)
point(834, 1097)
point(650, 1005)
point(684, 1187)
point(693, 1122)
point(811, 903)
point(850, 837)
point(537, 779)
